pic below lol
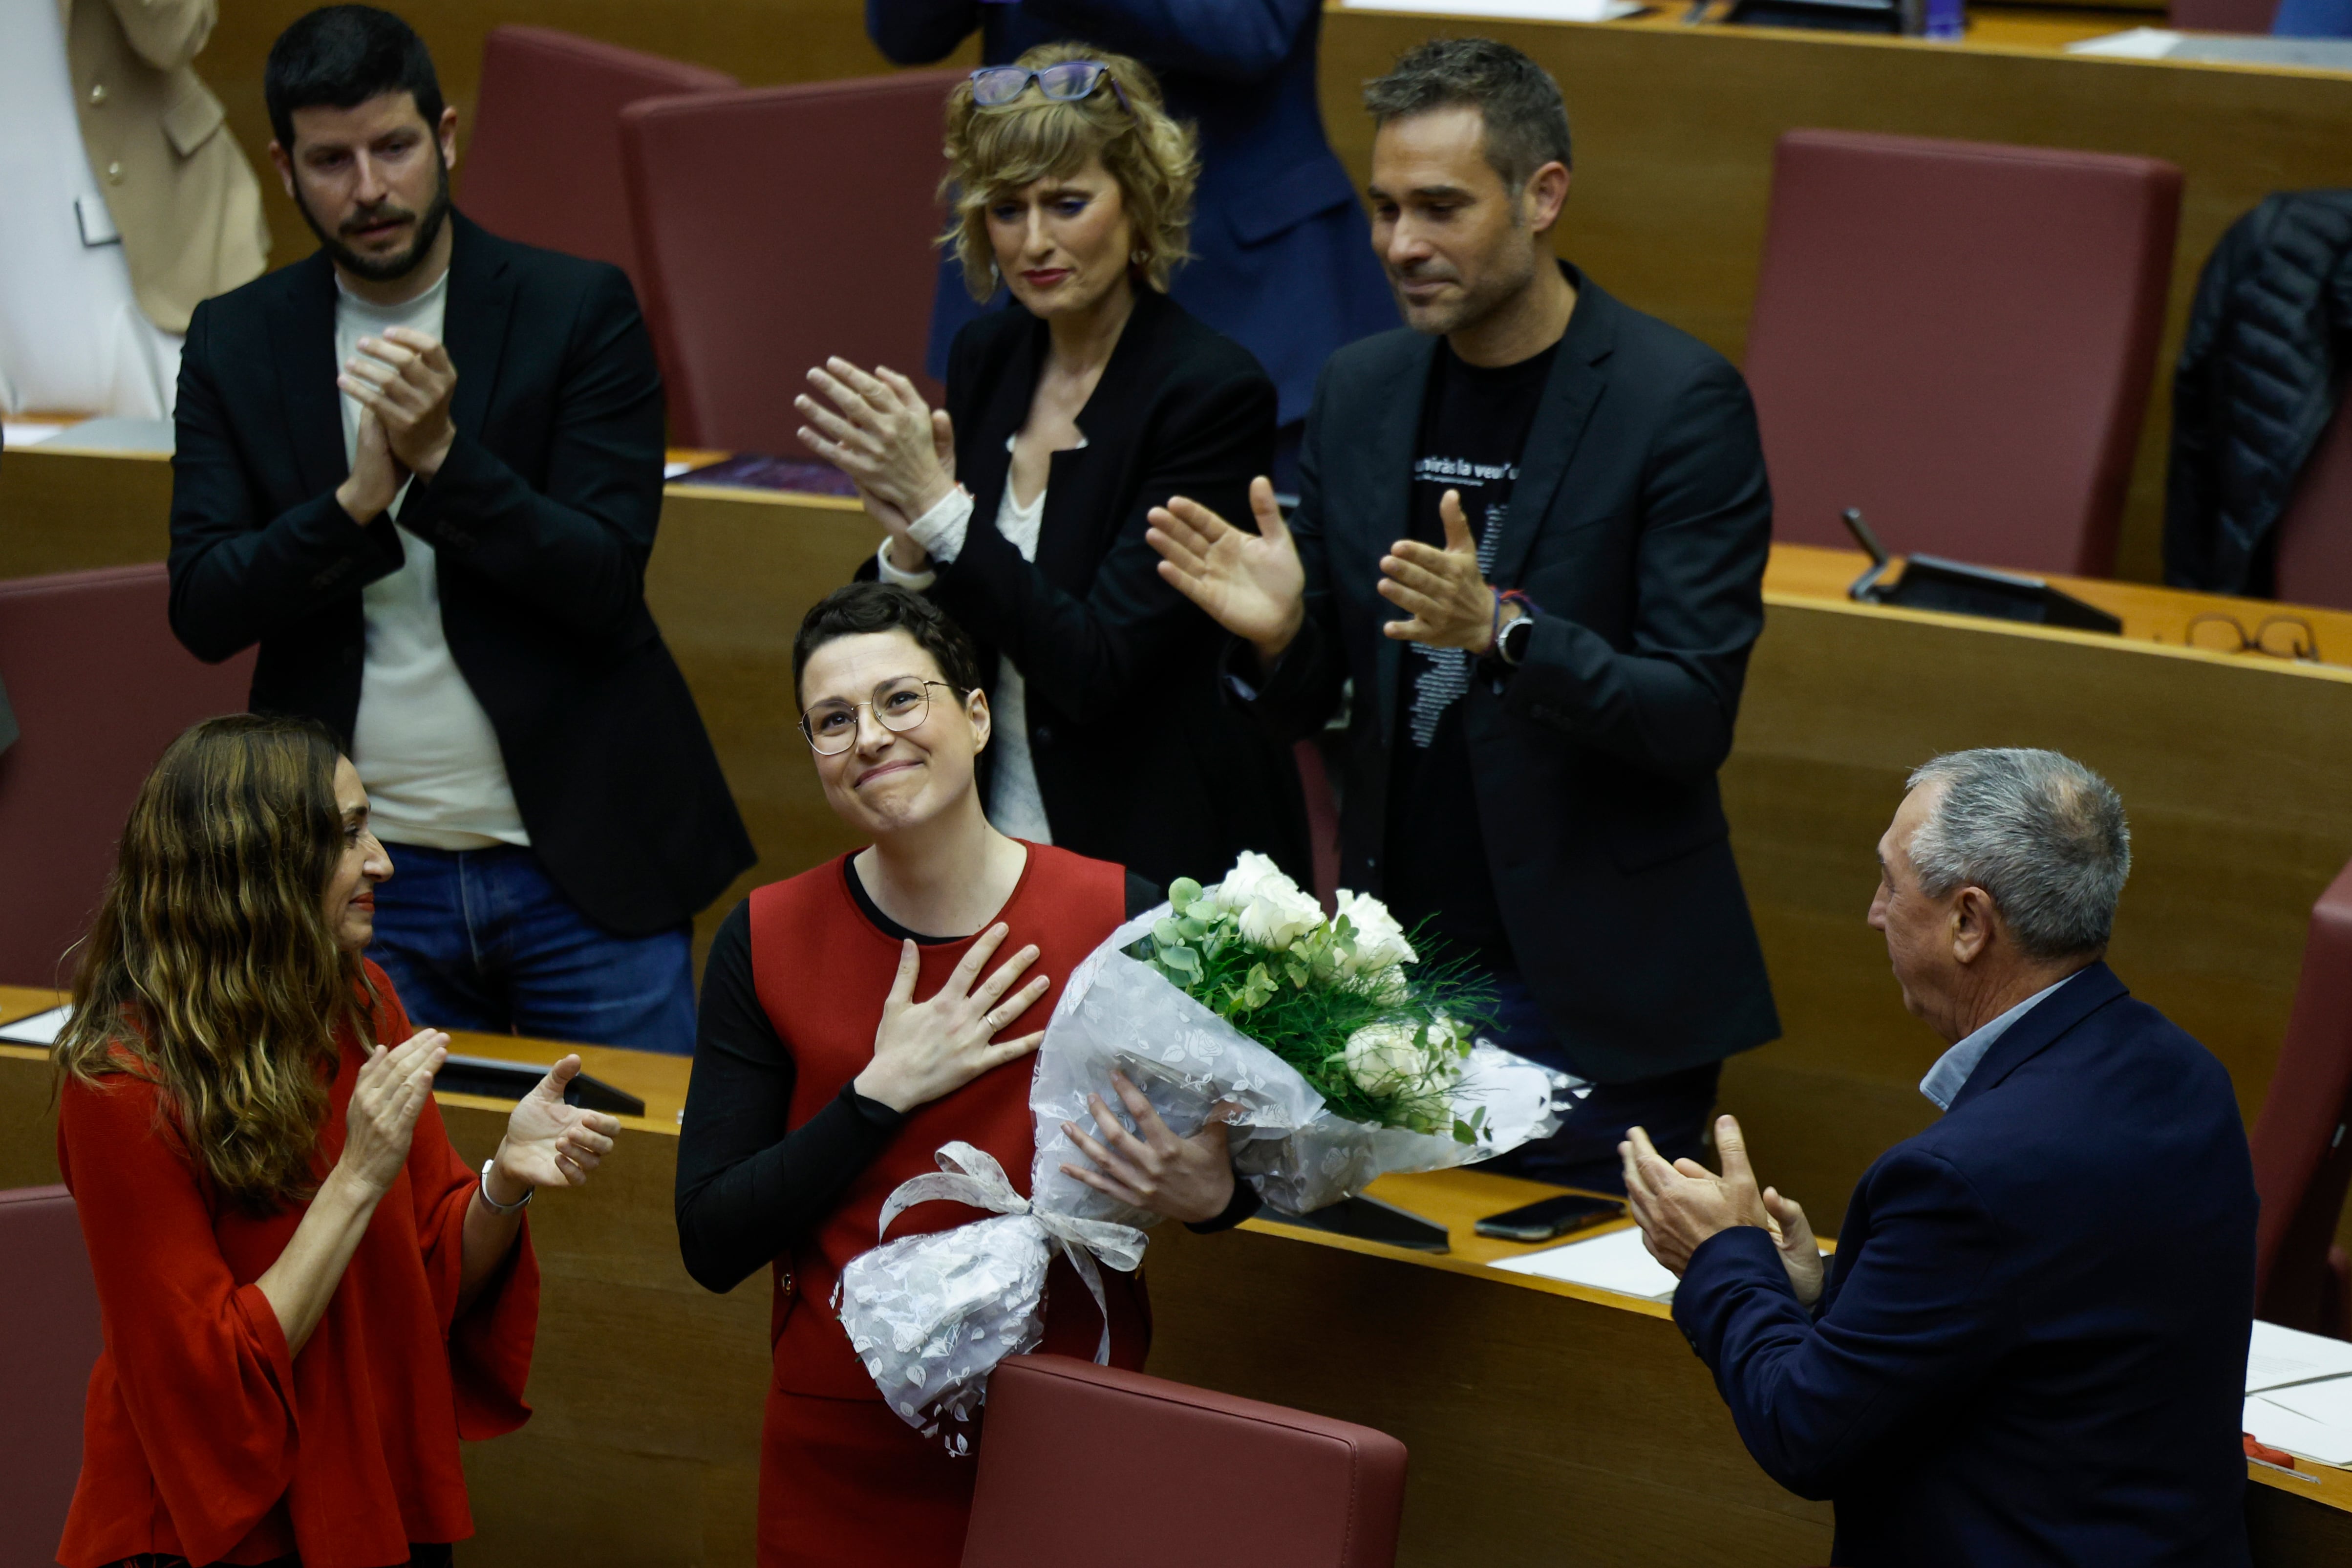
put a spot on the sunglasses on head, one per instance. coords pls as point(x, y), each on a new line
point(1064, 81)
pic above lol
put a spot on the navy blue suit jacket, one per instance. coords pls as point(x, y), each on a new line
point(2032, 1348)
point(1282, 258)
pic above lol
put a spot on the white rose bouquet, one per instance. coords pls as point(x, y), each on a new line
point(1335, 1054)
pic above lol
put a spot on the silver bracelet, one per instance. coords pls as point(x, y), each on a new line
point(496, 1207)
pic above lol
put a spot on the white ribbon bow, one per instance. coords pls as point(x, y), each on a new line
point(971, 1175)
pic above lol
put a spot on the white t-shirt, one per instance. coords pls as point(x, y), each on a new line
point(422, 745)
point(1015, 806)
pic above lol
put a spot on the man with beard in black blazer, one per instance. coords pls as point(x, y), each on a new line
point(1565, 500)
point(444, 565)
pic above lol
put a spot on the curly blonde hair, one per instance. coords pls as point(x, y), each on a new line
point(212, 971)
point(994, 151)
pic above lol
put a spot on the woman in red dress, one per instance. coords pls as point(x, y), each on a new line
point(859, 1015)
point(307, 1297)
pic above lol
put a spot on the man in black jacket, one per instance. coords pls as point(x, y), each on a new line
point(1566, 499)
point(529, 746)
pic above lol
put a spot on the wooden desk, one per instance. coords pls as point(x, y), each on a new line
point(1547, 1422)
point(2233, 767)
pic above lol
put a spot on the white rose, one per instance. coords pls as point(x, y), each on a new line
point(1252, 874)
point(1380, 941)
point(1276, 916)
point(1384, 1058)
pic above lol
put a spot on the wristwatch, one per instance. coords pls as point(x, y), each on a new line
point(1511, 646)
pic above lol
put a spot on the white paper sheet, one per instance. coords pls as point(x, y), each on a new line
point(2297, 1433)
point(2329, 1402)
point(2278, 1357)
point(2135, 44)
point(1511, 10)
point(24, 433)
point(1616, 1260)
point(40, 1029)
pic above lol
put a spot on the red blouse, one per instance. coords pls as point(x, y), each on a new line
point(202, 1438)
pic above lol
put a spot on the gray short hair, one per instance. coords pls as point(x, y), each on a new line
point(2040, 833)
point(1526, 118)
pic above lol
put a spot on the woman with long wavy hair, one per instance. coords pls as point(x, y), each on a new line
point(308, 1297)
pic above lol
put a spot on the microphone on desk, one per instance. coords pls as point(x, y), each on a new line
point(1955, 588)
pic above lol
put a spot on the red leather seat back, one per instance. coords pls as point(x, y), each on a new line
point(1067, 1446)
point(49, 1341)
point(2303, 1148)
point(99, 687)
point(1958, 338)
point(2314, 536)
point(828, 251)
point(543, 164)
point(2224, 16)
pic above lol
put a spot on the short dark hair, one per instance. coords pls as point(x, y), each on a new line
point(1526, 118)
point(864, 607)
point(339, 57)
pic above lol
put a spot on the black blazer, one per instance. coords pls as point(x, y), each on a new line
point(2032, 1344)
point(542, 520)
point(1139, 757)
point(1639, 523)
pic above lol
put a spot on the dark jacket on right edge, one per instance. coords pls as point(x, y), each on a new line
point(2259, 376)
point(2032, 1348)
point(1639, 523)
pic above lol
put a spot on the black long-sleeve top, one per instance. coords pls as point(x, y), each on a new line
point(748, 1190)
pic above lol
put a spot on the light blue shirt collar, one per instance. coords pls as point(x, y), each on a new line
point(1950, 1074)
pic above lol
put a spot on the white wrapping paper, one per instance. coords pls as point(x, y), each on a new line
point(932, 1315)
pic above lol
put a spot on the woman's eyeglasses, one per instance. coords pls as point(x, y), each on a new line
point(898, 706)
point(1064, 81)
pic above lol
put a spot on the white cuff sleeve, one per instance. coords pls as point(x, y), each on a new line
point(941, 529)
point(914, 582)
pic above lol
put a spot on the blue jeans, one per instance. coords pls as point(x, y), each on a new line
point(1676, 1108)
point(481, 939)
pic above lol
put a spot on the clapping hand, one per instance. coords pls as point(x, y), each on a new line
point(392, 1087)
point(375, 476)
point(1681, 1205)
point(897, 450)
point(1250, 583)
point(923, 1050)
point(550, 1144)
point(406, 380)
point(1443, 591)
point(1191, 1179)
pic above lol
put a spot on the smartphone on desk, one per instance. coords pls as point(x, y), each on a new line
point(1550, 1217)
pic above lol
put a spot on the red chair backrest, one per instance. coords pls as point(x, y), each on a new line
point(2303, 1150)
point(2224, 16)
point(50, 1339)
point(1958, 338)
point(543, 164)
point(1284, 1488)
point(828, 251)
point(2314, 536)
point(100, 688)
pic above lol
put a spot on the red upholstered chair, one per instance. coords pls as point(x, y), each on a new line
point(2315, 537)
point(1958, 338)
point(777, 227)
point(2302, 1152)
point(2224, 16)
point(49, 1341)
point(543, 164)
point(1284, 1488)
point(100, 688)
